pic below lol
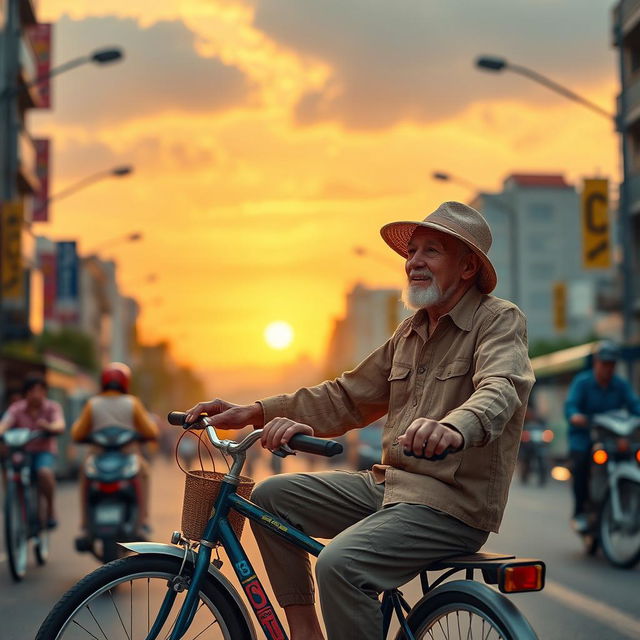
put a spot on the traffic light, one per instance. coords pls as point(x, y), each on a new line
point(560, 306)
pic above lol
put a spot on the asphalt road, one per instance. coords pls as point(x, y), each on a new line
point(584, 598)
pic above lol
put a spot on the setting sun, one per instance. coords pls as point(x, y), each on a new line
point(278, 335)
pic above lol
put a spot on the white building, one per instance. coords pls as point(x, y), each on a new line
point(536, 251)
point(372, 315)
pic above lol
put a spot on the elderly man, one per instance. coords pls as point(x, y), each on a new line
point(455, 375)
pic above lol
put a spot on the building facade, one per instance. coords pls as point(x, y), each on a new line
point(537, 253)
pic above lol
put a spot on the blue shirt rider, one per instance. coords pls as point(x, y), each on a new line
point(591, 392)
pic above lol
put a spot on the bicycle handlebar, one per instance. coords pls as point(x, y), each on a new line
point(299, 442)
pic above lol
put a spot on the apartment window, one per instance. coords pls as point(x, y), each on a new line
point(541, 212)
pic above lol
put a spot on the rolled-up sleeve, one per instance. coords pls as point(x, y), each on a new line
point(502, 375)
point(353, 400)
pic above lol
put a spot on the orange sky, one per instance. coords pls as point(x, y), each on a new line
point(263, 155)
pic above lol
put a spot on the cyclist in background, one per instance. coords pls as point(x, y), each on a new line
point(37, 412)
point(594, 391)
point(114, 406)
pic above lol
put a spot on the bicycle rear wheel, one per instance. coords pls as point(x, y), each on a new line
point(122, 599)
point(15, 530)
point(467, 610)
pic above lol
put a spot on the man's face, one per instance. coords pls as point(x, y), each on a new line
point(604, 370)
point(434, 266)
point(36, 395)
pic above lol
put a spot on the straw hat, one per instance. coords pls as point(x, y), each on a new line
point(457, 220)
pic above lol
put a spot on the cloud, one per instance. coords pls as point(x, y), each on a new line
point(162, 71)
point(413, 60)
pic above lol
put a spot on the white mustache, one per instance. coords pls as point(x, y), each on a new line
point(421, 274)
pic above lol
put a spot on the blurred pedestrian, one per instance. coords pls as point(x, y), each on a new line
point(37, 412)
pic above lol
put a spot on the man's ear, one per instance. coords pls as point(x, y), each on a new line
point(470, 266)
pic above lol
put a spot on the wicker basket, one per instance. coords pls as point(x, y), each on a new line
point(200, 492)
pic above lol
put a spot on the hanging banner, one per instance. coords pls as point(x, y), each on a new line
point(11, 249)
point(67, 276)
point(40, 36)
point(596, 231)
point(40, 209)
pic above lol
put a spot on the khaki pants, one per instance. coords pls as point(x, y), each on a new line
point(373, 549)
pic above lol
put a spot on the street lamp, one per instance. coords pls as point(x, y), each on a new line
point(134, 236)
point(116, 172)
point(511, 213)
point(496, 64)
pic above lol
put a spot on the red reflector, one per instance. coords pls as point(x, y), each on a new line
point(527, 577)
point(109, 487)
point(638, 456)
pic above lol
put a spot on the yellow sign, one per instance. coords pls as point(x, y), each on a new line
point(596, 232)
point(11, 250)
point(559, 306)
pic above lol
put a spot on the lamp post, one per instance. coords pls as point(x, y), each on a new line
point(496, 64)
point(514, 235)
point(116, 172)
point(134, 236)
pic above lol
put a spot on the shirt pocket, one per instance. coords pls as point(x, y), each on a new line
point(399, 387)
point(453, 369)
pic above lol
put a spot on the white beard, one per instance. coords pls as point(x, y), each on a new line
point(418, 297)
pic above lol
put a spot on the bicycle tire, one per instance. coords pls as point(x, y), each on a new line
point(629, 493)
point(15, 531)
point(112, 578)
point(483, 610)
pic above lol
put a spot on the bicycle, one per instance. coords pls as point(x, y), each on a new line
point(22, 507)
point(189, 582)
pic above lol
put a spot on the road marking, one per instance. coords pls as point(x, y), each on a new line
point(609, 616)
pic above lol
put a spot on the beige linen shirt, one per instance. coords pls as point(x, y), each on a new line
point(473, 373)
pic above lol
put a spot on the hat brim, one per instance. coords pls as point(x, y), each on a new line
point(398, 234)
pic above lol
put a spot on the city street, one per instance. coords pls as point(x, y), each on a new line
point(584, 597)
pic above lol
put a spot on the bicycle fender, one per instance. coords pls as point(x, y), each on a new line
point(517, 624)
point(215, 574)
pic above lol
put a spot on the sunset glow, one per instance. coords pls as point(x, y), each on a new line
point(266, 148)
point(278, 335)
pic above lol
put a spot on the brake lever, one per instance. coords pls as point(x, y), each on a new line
point(283, 451)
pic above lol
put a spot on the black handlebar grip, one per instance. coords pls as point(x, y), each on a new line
point(440, 456)
point(176, 418)
point(319, 446)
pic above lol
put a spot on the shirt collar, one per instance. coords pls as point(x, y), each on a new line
point(461, 315)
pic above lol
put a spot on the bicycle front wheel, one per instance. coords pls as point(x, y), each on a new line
point(122, 600)
point(466, 610)
point(15, 530)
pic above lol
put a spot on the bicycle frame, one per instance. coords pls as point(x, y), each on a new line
point(218, 530)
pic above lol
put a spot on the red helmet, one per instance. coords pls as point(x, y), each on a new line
point(117, 376)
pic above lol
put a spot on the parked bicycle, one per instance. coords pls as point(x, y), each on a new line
point(167, 591)
point(23, 508)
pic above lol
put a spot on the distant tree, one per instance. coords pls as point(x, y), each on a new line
point(76, 346)
point(543, 347)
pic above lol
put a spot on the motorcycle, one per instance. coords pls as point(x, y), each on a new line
point(22, 503)
point(533, 456)
point(112, 494)
point(613, 511)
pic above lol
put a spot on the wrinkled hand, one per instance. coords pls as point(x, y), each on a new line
point(578, 419)
point(227, 415)
point(280, 430)
point(426, 438)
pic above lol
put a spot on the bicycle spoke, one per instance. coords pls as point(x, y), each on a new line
point(148, 606)
point(97, 623)
point(207, 627)
point(119, 616)
point(86, 630)
point(131, 606)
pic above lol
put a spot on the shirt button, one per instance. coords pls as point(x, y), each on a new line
point(421, 370)
point(415, 403)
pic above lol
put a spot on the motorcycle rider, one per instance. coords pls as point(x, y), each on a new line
point(594, 391)
point(114, 406)
point(37, 412)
